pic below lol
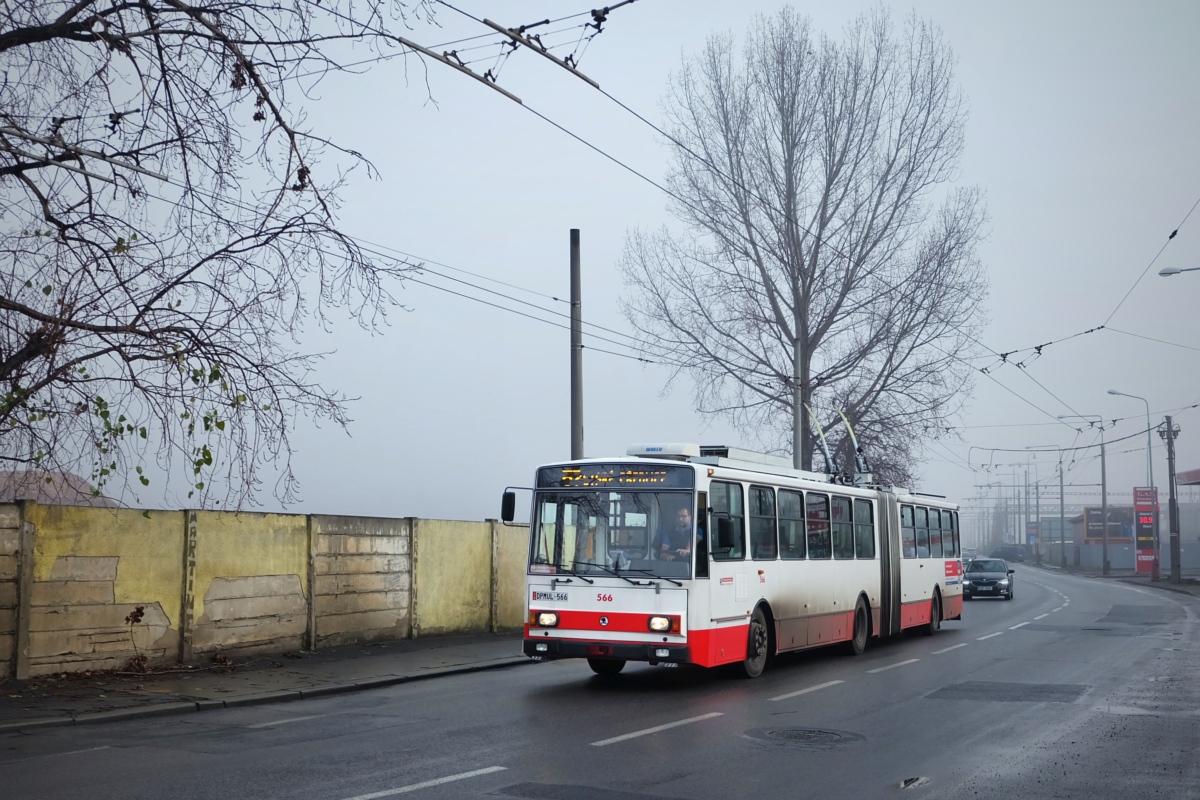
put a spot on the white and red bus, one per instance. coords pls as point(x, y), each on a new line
point(782, 560)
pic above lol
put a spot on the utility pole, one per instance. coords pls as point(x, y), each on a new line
point(1037, 513)
point(1168, 431)
point(1103, 498)
point(1062, 516)
point(576, 351)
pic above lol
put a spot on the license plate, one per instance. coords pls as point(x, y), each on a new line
point(985, 588)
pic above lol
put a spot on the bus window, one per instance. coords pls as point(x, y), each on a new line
point(908, 532)
point(817, 508)
point(950, 520)
point(922, 532)
point(864, 529)
point(843, 528)
point(791, 524)
point(726, 499)
point(935, 533)
point(762, 523)
point(702, 537)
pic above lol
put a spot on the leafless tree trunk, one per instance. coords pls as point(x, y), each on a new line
point(827, 261)
point(167, 228)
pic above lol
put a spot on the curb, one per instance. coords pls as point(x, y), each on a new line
point(263, 698)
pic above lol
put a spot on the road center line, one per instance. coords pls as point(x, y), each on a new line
point(990, 635)
point(426, 784)
point(649, 731)
point(1018, 625)
point(286, 721)
point(804, 691)
point(1055, 609)
point(1043, 616)
point(948, 649)
point(893, 666)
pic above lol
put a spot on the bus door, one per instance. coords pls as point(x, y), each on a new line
point(729, 587)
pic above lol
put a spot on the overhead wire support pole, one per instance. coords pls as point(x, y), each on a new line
point(521, 39)
point(465, 70)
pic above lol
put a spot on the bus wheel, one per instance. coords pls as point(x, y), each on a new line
point(862, 629)
point(606, 666)
point(935, 615)
point(756, 647)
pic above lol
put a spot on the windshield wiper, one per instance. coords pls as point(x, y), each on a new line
point(610, 571)
point(570, 571)
point(653, 575)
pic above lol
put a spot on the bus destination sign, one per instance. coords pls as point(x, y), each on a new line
point(616, 476)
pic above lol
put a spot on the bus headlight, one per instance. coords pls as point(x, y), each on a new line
point(660, 624)
point(547, 619)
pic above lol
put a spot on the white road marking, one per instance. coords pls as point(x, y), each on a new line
point(948, 649)
point(1043, 616)
point(1056, 609)
point(990, 635)
point(805, 691)
point(893, 666)
point(51, 755)
point(1018, 625)
point(649, 731)
point(426, 784)
point(286, 721)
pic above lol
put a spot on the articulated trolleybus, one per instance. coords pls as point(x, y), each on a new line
point(680, 553)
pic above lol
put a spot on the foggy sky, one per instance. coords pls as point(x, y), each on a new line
point(1083, 132)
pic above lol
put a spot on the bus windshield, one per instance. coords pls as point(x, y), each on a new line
point(596, 532)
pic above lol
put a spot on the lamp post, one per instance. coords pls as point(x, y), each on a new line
point(1097, 420)
point(1149, 478)
point(1167, 272)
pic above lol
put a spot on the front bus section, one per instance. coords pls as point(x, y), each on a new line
point(611, 554)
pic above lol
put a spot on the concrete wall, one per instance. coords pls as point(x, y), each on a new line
point(250, 583)
point(10, 545)
point(362, 579)
point(91, 568)
point(209, 582)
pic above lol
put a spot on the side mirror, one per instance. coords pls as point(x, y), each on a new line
point(725, 534)
point(508, 506)
point(1012, 572)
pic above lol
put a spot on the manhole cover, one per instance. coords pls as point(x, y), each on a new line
point(807, 737)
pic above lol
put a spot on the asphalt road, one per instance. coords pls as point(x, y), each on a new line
point(1078, 688)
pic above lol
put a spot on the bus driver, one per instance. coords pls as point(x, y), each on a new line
point(676, 542)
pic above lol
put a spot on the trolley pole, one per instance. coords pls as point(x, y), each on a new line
point(1168, 432)
point(576, 351)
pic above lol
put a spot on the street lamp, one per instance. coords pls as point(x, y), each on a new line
point(1167, 272)
point(1096, 419)
point(1149, 476)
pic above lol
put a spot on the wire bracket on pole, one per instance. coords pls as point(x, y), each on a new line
point(461, 68)
point(536, 46)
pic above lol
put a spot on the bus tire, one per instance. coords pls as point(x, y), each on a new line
point(862, 630)
point(935, 615)
point(606, 666)
point(757, 648)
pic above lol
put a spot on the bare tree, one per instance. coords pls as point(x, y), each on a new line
point(827, 262)
point(167, 231)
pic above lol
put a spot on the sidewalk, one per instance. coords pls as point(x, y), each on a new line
point(74, 698)
point(1190, 583)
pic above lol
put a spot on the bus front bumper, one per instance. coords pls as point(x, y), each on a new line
point(631, 651)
